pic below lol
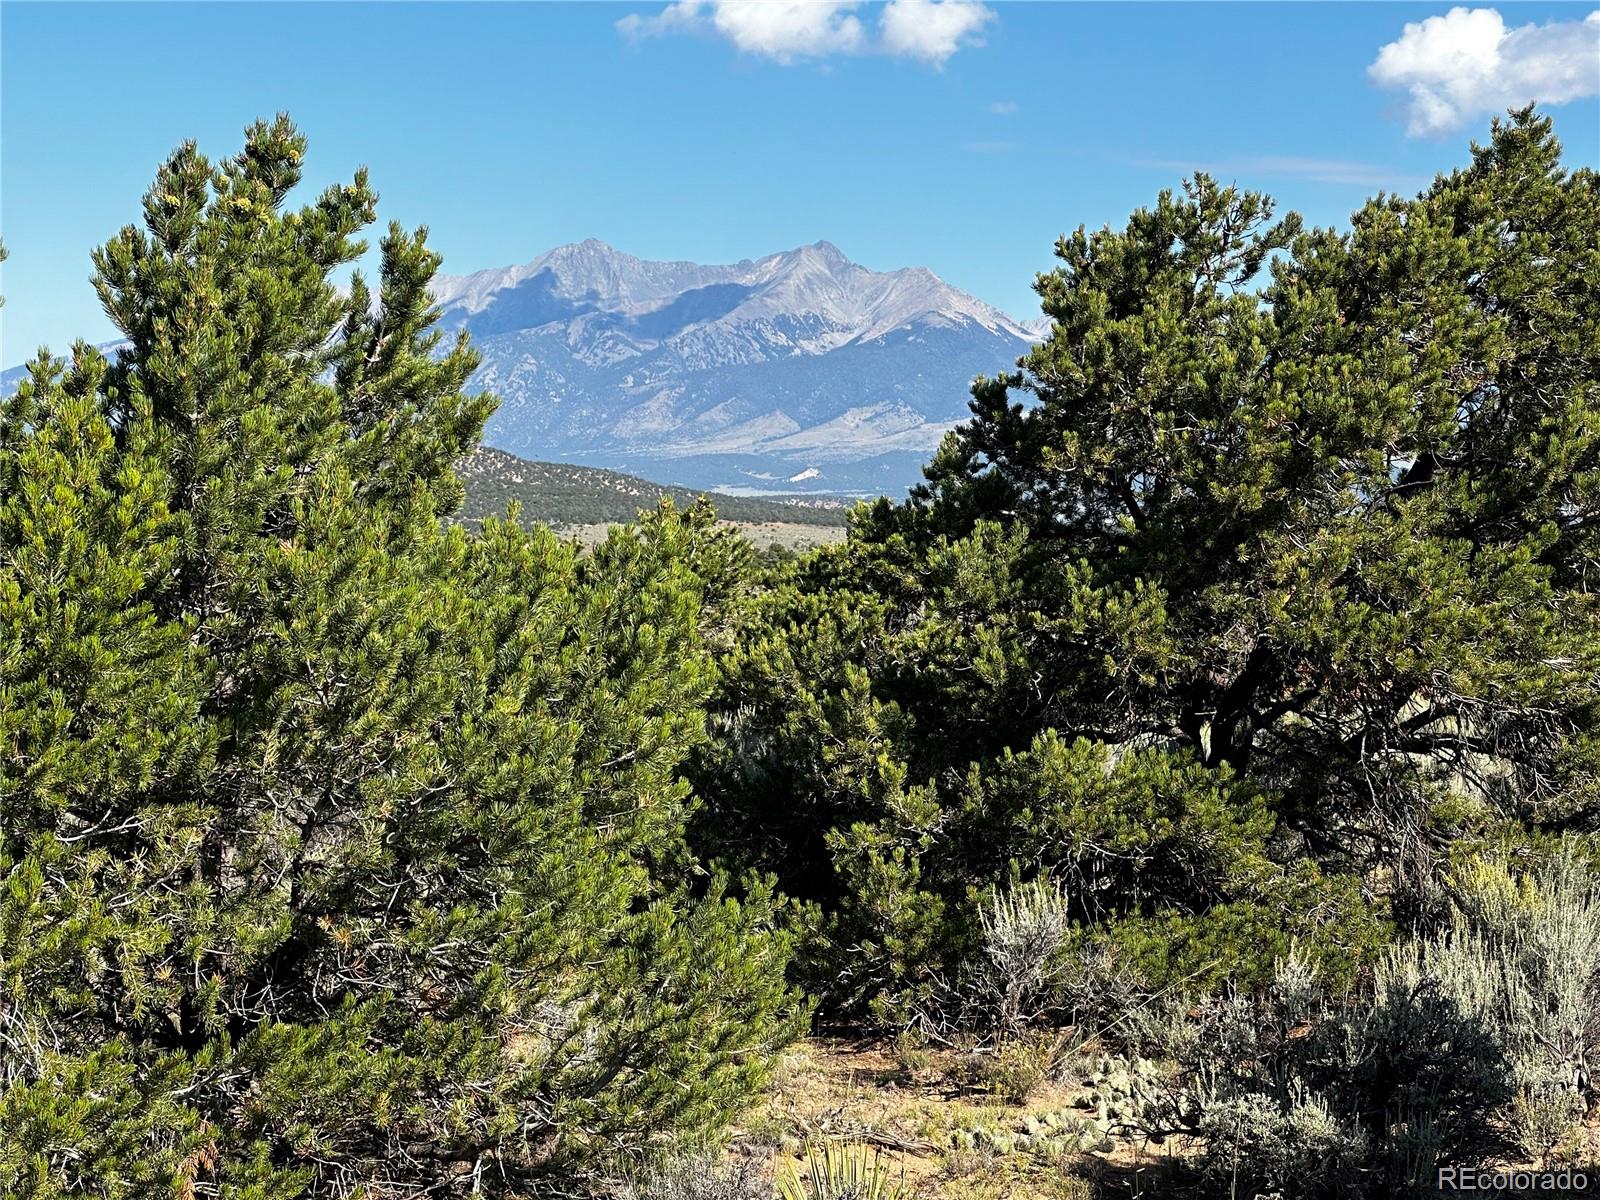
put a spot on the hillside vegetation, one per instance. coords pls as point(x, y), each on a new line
point(1192, 789)
point(563, 494)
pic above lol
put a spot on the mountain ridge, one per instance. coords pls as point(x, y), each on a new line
point(797, 365)
point(712, 375)
point(633, 283)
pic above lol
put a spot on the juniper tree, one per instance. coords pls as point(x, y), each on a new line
point(342, 851)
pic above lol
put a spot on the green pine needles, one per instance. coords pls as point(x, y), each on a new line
point(1224, 687)
point(1268, 577)
point(340, 852)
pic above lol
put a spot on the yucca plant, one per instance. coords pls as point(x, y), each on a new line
point(836, 1172)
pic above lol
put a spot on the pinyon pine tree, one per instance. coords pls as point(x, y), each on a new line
point(1268, 574)
point(340, 851)
point(1342, 523)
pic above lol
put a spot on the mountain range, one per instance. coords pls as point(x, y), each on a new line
point(799, 371)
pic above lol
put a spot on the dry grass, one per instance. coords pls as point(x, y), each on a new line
point(949, 1130)
point(946, 1125)
point(789, 535)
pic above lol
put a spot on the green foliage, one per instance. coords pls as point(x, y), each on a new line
point(339, 850)
point(351, 840)
point(562, 494)
point(839, 1172)
point(1267, 574)
point(815, 778)
point(1019, 1066)
point(1466, 1044)
point(1351, 510)
point(1329, 915)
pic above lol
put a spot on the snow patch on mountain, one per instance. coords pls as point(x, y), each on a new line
point(716, 375)
point(766, 366)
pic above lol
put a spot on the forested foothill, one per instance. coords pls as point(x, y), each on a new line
point(1210, 746)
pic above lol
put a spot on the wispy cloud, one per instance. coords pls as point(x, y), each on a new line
point(1003, 108)
point(1318, 170)
point(790, 31)
point(1467, 63)
point(686, 16)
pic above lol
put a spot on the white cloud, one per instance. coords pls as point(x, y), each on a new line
point(1003, 108)
point(791, 30)
point(677, 18)
point(1467, 63)
point(683, 17)
point(784, 30)
point(932, 30)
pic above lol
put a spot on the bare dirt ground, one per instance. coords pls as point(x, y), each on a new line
point(945, 1133)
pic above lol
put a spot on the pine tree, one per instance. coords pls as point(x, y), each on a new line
point(1363, 498)
point(343, 851)
point(1312, 511)
point(1362, 501)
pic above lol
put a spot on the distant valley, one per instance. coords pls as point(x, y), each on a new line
point(584, 501)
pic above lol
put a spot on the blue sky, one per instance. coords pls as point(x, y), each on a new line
point(965, 140)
